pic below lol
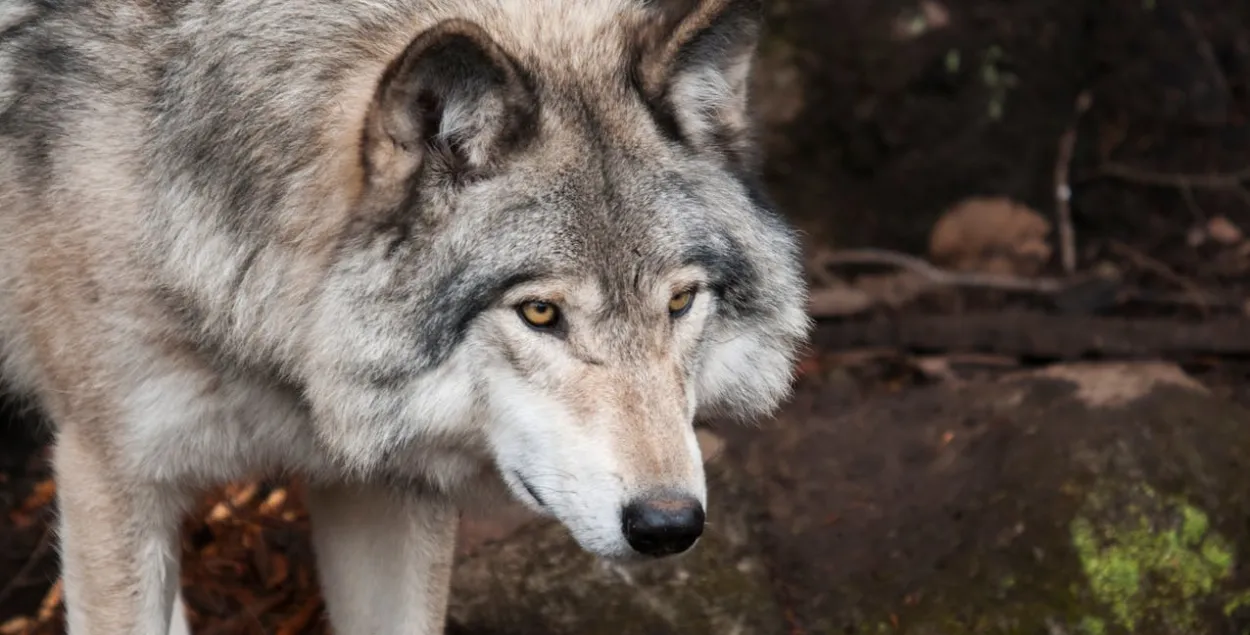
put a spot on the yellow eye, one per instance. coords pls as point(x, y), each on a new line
point(539, 314)
point(680, 302)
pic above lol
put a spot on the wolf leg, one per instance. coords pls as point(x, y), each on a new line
point(178, 620)
point(118, 540)
point(384, 559)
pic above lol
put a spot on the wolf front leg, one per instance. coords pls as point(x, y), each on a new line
point(178, 619)
point(384, 559)
point(118, 540)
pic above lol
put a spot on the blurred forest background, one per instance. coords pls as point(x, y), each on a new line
point(1025, 410)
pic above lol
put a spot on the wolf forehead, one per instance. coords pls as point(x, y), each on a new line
point(626, 231)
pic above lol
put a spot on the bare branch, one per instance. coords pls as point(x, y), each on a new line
point(938, 276)
point(1214, 181)
point(1063, 187)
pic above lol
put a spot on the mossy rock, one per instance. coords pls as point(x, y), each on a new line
point(1084, 499)
point(540, 582)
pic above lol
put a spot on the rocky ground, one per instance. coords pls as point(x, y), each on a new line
point(1008, 424)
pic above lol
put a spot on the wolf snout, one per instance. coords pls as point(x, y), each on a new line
point(662, 525)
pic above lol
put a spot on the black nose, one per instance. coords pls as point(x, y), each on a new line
point(662, 525)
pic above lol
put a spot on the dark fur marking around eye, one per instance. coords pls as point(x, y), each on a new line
point(458, 299)
point(733, 275)
point(439, 325)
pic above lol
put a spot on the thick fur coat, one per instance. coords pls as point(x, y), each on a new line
point(244, 237)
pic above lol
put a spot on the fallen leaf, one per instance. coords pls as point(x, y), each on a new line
point(51, 601)
point(241, 494)
point(17, 626)
point(300, 621)
point(273, 504)
point(221, 512)
point(42, 495)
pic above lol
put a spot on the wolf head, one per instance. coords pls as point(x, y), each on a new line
point(561, 259)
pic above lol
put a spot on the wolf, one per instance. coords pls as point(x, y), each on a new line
point(412, 252)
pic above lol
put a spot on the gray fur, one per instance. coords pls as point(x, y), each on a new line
point(254, 236)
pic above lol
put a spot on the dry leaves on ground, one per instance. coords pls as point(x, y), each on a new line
point(247, 565)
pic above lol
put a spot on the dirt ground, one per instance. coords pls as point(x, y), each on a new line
point(879, 116)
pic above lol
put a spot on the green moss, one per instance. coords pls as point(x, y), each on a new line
point(1236, 603)
point(1217, 553)
point(1093, 626)
point(1194, 526)
point(1114, 573)
point(1128, 560)
point(1143, 568)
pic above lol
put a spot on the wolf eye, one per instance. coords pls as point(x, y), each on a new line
point(538, 314)
point(680, 303)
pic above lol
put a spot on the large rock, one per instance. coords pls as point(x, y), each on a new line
point(1082, 499)
point(1092, 499)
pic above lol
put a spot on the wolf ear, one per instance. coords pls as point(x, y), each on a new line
point(453, 101)
point(694, 68)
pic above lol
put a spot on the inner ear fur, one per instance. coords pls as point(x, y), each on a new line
point(453, 101)
point(693, 66)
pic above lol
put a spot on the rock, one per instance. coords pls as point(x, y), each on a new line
point(1223, 231)
point(1083, 499)
point(991, 235)
point(540, 582)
